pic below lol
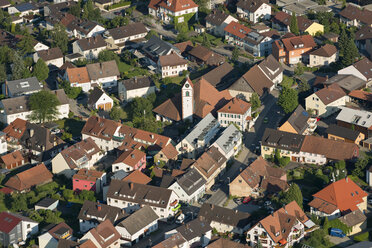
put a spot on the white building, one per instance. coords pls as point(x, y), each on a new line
point(102, 236)
point(230, 142)
point(52, 56)
point(253, 10)
point(89, 47)
point(217, 20)
point(171, 65)
point(23, 9)
point(361, 69)
point(236, 111)
point(176, 11)
point(105, 74)
point(98, 99)
point(135, 87)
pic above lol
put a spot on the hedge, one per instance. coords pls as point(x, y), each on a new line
point(362, 237)
point(336, 223)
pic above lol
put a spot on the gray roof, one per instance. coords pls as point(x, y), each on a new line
point(91, 43)
point(135, 83)
point(298, 119)
point(46, 202)
point(344, 132)
point(157, 47)
point(119, 175)
point(25, 7)
point(271, 67)
point(139, 220)
point(202, 129)
point(222, 76)
point(24, 86)
point(354, 218)
point(229, 138)
point(282, 140)
point(95, 95)
point(347, 82)
point(216, 17)
point(193, 229)
point(355, 116)
point(191, 181)
point(127, 31)
point(103, 70)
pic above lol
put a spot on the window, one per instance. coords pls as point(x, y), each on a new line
point(187, 93)
point(28, 225)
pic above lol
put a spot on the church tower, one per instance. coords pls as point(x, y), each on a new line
point(187, 100)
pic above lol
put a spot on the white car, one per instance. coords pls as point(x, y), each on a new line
point(180, 219)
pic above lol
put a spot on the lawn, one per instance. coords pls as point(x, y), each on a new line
point(124, 67)
point(212, 39)
point(72, 126)
point(120, 4)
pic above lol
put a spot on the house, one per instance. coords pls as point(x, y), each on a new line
point(205, 56)
point(4, 4)
point(18, 107)
point(300, 122)
point(177, 11)
point(139, 224)
point(338, 198)
point(356, 119)
point(21, 87)
point(171, 65)
point(221, 77)
point(137, 176)
point(306, 148)
point(272, 69)
point(344, 134)
point(285, 227)
point(235, 33)
point(326, 101)
point(102, 236)
point(199, 137)
point(217, 20)
point(230, 142)
point(352, 15)
point(301, 8)
point(3, 143)
point(363, 39)
point(355, 220)
point(130, 160)
point(93, 213)
point(52, 237)
point(90, 180)
point(293, 50)
point(184, 47)
point(51, 56)
point(211, 165)
point(323, 56)
point(167, 154)
point(195, 100)
point(120, 37)
point(347, 82)
point(253, 10)
point(224, 219)
point(89, 47)
point(361, 69)
point(258, 178)
point(282, 21)
point(82, 155)
point(23, 9)
point(81, 29)
point(12, 160)
point(15, 228)
point(105, 74)
point(156, 47)
point(189, 186)
point(135, 87)
point(98, 99)
point(236, 111)
point(24, 181)
point(78, 77)
point(132, 196)
point(360, 96)
point(47, 204)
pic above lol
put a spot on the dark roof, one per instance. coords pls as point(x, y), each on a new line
point(193, 229)
point(271, 67)
point(353, 218)
point(298, 119)
point(352, 12)
point(364, 33)
point(139, 220)
point(191, 181)
point(225, 243)
point(343, 132)
point(220, 76)
point(4, 3)
point(50, 54)
point(364, 66)
point(216, 17)
point(90, 212)
point(282, 140)
point(91, 43)
point(157, 47)
point(24, 7)
point(325, 51)
point(127, 31)
point(95, 95)
point(251, 5)
point(24, 86)
point(103, 70)
point(46, 202)
point(136, 83)
point(209, 212)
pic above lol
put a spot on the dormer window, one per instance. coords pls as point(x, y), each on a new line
point(277, 234)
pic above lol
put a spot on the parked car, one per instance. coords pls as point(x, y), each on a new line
point(238, 201)
point(335, 232)
point(204, 199)
point(266, 120)
point(180, 219)
point(246, 200)
point(369, 201)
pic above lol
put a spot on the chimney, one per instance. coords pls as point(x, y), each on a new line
point(135, 79)
point(132, 155)
point(327, 77)
point(152, 136)
point(212, 206)
point(131, 185)
point(99, 207)
point(347, 179)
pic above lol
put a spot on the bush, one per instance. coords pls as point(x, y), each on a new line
point(284, 161)
point(362, 237)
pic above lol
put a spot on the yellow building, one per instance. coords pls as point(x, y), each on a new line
point(315, 28)
point(344, 134)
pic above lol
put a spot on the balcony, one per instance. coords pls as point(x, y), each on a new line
point(118, 138)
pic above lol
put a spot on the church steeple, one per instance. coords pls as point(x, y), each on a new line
point(187, 100)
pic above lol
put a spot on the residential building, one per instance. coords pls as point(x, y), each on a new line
point(253, 10)
point(352, 15)
point(130, 160)
point(235, 33)
point(78, 77)
point(177, 11)
point(306, 148)
point(361, 69)
point(21, 87)
point(323, 56)
point(51, 238)
point(300, 122)
point(3, 143)
point(132, 196)
point(137, 176)
point(282, 21)
point(89, 47)
point(81, 29)
point(285, 227)
point(205, 56)
point(272, 69)
point(51, 56)
point(12, 160)
point(211, 165)
point(23, 9)
point(90, 180)
point(102, 236)
point(24, 181)
point(105, 74)
point(120, 37)
point(199, 138)
point(82, 155)
point(356, 119)
point(98, 99)
point(217, 20)
point(230, 142)
point(221, 243)
point(258, 179)
point(338, 198)
point(224, 219)
point(326, 101)
point(156, 47)
point(236, 111)
point(47, 204)
point(347, 82)
point(15, 228)
point(355, 220)
point(344, 134)
point(293, 50)
point(221, 77)
point(18, 107)
point(135, 87)
point(171, 65)
point(139, 224)
point(189, 186)
point(363, 40)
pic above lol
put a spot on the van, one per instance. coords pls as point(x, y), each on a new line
point(335, 232)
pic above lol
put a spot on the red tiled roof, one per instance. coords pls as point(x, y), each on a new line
point(361, 94)
point(237, 29)
point(88, 175)
point(6, 190)
point(137, 176)
point(15, 129)
point(235, 106)
point(11, 158)
point(173, 5)
point(170, 151)
point(78, 75)
point(8, 222)
point(289, 43)
point(130, 157)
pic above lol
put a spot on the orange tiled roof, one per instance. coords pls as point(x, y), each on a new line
point(88, 175)
point(237, 29)
point(11, 158)
point(15, 129)
point(137, 177)
point(361, 94)
point(236, 106)
point(78, 75)
point(130, 157)
point(173, 5)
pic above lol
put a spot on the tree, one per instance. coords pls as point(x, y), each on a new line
point(86, 195)
point(107, 55)
point(60, 38)
point(293, 194)
point(18, 202)
point(25, 45)
point(299, 70)
point(318, 239)
point(206, 41)
point(350, 51)
point(44, 106)
point(117, 113)
point(255, 101)
point(342, 42)
point(288, 99)
point(235, 54)
point(68, 194)
point(293, 27)
point(3, 76)
point(151, 33)
point(182, 36)
point(326, 224)
point(41, 70)
point(71, 92)
point(360, 167)
point(303, 86)
point(18, 67)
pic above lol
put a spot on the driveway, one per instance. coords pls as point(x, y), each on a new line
point(157, 236)
point(341, 242)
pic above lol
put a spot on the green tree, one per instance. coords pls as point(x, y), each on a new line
point(343, 41)
point(71, 92)
point(151, 33)
point(76, 9)
point(86, 195)
point(288, 99)
point(3, 76)
point(235, 54)
point(59, 37)
point(350, 52)
point(117, 113)
point(299, 70)
point(25, 45)
point(68, 194)
point(44, 106)
point(360, 167)
point(107, 55)
point(18, 67)
point(206, 41)
point(303, 86)
point(293, 194)
point(326, 224)
point(318, 239)
point(18, 202)
point(182, 36)
point(293, 27)
point(41, 70)
point(255, 101)
point(141, 108)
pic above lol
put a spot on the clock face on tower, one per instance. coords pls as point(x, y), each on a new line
point(187, 85)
